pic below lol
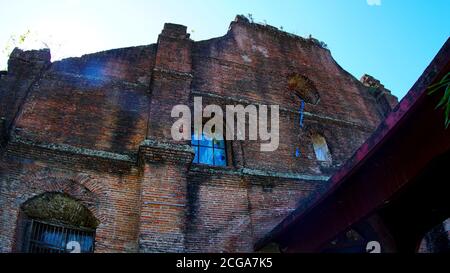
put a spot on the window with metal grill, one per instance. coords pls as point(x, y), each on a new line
point(42, 237)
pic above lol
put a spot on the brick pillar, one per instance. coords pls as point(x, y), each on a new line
point(163, 196)
point(171, 79)
point(165, 162)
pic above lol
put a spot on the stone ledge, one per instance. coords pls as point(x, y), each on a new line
point(158, 151)
point(64, 148)
point(256, 172)
point(297, 176)
point(214, 169)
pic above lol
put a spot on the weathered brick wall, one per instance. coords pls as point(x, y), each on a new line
point(218, 213)
point(163, 196)
point(98, 102)
point(228, 211)
point(253, 63)
point(112, 195)
point(98, 128)
point(171, 81)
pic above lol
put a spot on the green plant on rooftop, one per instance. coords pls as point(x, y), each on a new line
point(444, 85)
point(14, 41)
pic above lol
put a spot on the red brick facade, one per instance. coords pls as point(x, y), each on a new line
point(98, 129)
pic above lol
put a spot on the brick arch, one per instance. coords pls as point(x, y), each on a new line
point(312, 129)
point(303, 88)
point(79, 186)
point(48, 206)
point(317, 128)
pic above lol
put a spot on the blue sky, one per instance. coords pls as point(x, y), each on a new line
point(393, 40)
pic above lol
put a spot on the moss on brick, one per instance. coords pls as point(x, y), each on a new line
point(59, 208)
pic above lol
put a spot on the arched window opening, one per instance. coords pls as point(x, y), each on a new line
point(56, 223)
point(321, 148)
point(303, 88)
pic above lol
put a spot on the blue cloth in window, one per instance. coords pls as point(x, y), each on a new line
point(219, 143)
point(220, 157)
point(53, 238)
point(57, 239)
point(209, 151)
point(196, 154)
point(85, 241)
point(206, 156)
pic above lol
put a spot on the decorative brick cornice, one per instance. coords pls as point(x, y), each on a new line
point(158, 151)
point(256, 172)
point(71, 149)
point(68, 155)
point(297, 176)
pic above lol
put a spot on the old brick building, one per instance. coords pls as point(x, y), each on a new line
point(86, 146)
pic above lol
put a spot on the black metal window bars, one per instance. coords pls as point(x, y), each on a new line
point(43, 237)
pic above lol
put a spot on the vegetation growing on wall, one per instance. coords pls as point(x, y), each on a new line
point(444, 103)
point(59, 208)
